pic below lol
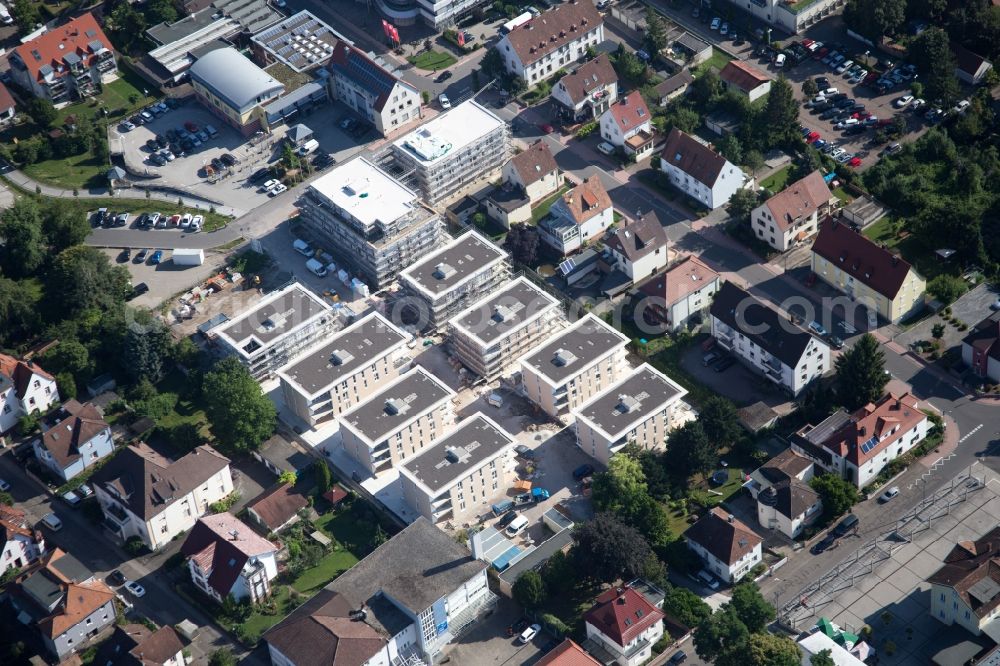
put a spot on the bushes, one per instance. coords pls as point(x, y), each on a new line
point(554, 624)
point(587, 129)
point(226, 503)
point(134, 546)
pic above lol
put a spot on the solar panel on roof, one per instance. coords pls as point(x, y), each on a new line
point(869, 445)
point(567, 267)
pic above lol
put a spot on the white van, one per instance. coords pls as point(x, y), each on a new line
point(52, 521)
point(495, 399)
point(303, 248)
point(517, 526)
point(780, 60)
point(308, 147)
point(316, 268)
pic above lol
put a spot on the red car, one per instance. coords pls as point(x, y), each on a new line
point(545, 127)
point(819, 54)
point(807, 42)
point(854, 162)
point(813, 137)
point(190, 126)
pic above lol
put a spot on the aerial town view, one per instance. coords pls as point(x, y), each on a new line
point(467, 332)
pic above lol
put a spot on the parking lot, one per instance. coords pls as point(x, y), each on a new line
point(165, 278)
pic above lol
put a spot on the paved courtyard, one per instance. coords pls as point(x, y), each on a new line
point(971, 308)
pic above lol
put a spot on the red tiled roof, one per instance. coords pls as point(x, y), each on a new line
point(693, 157)
point(968, 61)
point(222, 544)
point(82, 424)
point(554, 29)
point(20, 372)
point(588, 77)
point(985, 336)
point(968, 563)
point(567, 653)
point(886, 421)
point(79, 601)
point(279, 505)
point(335, 495)
point(861, 258)
point(587, 200)
point(51, 47)
point(743, 76)
point(683, 278)
point(630, 112)
point(622, 613)
point(799, 200)
point(725, 537)
point(6, 99)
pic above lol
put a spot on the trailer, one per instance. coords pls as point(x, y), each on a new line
point(184, 257)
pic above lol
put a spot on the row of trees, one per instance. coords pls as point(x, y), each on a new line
point(736, 635)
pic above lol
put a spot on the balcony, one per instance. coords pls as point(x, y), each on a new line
point(116, 513)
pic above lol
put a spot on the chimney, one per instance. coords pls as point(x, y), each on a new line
point(731, 518)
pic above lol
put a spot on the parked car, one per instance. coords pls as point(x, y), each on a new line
point(845, 526)
point(583, 471)
point(507, 519)
point(823, 544)
point(606, 148)
point(817, 328)
point(4, 486)
point(196, 223)
point(888, 495)
point(725, 364)
point(834, 341)
point(528, 634)
point(156, 257)
point(903, 101)
point(716, 22)
point(116, 577)
point(135, 588)
point(444, 101)
point(52, 521)
point(277, 189)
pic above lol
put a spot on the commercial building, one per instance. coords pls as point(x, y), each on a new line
point(577, 364)
point(698, 171)
point(492, 334)
point(460, 273)
point(818, 642)
point(398, 422)
point(785, 501)
point(639, 409)
point(404, 602)
point(624, 624)
point(366, 85)
point(375, 225)
point(681, 294)
point(588, 91)
point(627, 124)
point(981, 349)
point(462, 473)
point(766, 342)
point(330, 378)
point(178, 44)
point(77, 440)
point(467, 144)
point(234, 89)
point(580, 216)
point(964, 591)
point(270, 333)
point(857, 446)
point(725, 544)
point(872, 275)
point(20, 544)
point(792, 215)
point(539, 48)
point(226, 558)
point(790, 16)
point(301, 42)
point(143, 494)
point(637, 248)
point(25, 388)
point(745, 79)
point(65, 63)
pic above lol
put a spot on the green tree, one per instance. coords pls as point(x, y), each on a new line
point(83, 277)
point(946, 288)
point(621, 488)
point(741, 204)
point(183, 437)
point(529, 590)
point(324, 479)
point(42, 112)
point(26, 15)
point(822, 658)
point(707, 88)
point(838, 495)
point(186, 353)
point(690, 450)
point(126, 26)
point(861, 376)
point(628, 65)
point(288, 477)
point(222, 657)
point(160, 11)
point(875, 18)
point(68, 356)
point(558, 573)
point(780, 117)
point(730, 148)
point(751, 607)
point(606, 549)
point(683, 118)
point(772, 650)
point(241, 415)
point(522, 243)
point(23, 250)
point(754, 161)
point(63, 225)
point(720, 420)
point(18, 311)
point(686, 606)
point(937, 331)
point(721, 635)
point(809, 88)
point(931, 52)
point(146, 349)
point(656, 31)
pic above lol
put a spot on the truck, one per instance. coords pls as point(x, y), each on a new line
point(185, 257)
point(536, 495)
point(501, 508)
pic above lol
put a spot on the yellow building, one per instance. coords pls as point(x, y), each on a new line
point(866, 272)
point(234, 88)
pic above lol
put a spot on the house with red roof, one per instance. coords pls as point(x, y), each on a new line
point(868, 273)
point(66, 63)
point(857, 446)
point(624, 624)
point(745, 79)
point(981, 348)
point(792, 215)
point(226, 557)
point(681, 292)
point(627, 124)
point(25, 388)
point(567, 653)
point(578, 217)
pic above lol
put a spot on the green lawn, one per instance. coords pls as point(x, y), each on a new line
point(888, 231)
point(542, 209)
point(777, 180)
point(78, 171)
point(842, 194)
point(331, 566)
point(432, 60)
point(718, 60)
point(711, 495)
point(259, 622)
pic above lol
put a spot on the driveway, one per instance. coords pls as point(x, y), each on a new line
point(166, 278)
point(487, 643)
point(738, 383)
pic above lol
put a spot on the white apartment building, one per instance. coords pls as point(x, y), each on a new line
point(767, 342)
point(460, 273)
point(791, 17)
point(569, 369)
point(700, 172)
point(366, 86)
point(333, 377)
point(639, 409)
point(490, 335)
point(792, 215)
point(859, 445)
point(398, 422)
point(626, 624)
point(580, 216)
point(274, 330)
point(143, 494)
point(637, 248)
point(588, 91)
point(541, 47)
point(25, 388)
point(680, 293)
point(227, 558)
point(460, 147)
point(462, 473)
point(401, 604)
point(375, 225)
point(964, 590)
point(725, 544)
point(785, 501)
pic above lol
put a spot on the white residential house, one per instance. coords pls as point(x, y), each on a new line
point(143, 494)
point(138, 644)
point(25, 388)
point(699, 171)
point(626, 624)
point(588, 91)
point(785, 501)
point(964, 590)
point(792, 216)
point(227, 558)
point(77, 441)
point(637, 248)
point(627, 124)
point(20, 544)
point(681, 294)
point(567, 370)
point(745, 79)
point(538, 49)
point(725, 544)
point(766, 342)
point(640, 409)
point(534, 170)
point(857, 446)
point(580, 216)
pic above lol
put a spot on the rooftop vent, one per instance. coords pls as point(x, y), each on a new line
point(502, 313)
point(563, 357)
point(396, 407)
point(443, 271)
point(627, 404)
point(341, 356)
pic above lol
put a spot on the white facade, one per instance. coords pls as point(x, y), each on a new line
point(537, 190)
point(712, 180)
point(730, 180)
point(388, 105)
point(253, 581)
point(534, 60)
point(729, 573)
point(616, 135)
point(637, 651)
point(785, 16)
point(565, 235)
point(770, 517)
point(96, 448)
point(39, 392)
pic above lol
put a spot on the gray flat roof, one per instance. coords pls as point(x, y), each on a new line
point(353, 348)
point(284, 455)
point(396, 405)
point(574, 349)
point(630, 401)
point(277, 315)
point(167, 33)
point(537, 557)
point(71, 568)
point(301, 41)
point(503, 311)
point(469, 445)
point(460, 259)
